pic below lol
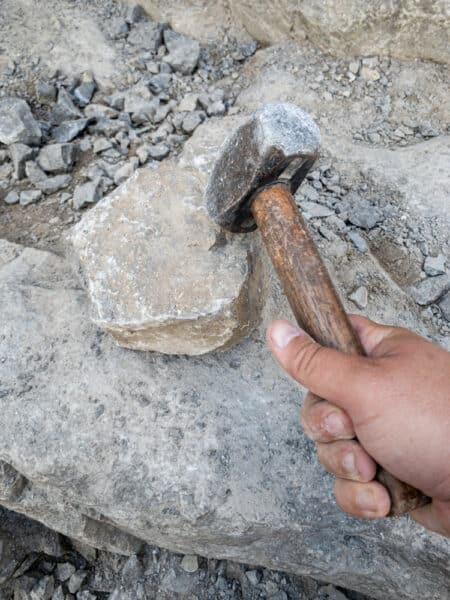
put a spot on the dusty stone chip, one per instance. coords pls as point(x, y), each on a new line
point(161, 275)
point(17, 124)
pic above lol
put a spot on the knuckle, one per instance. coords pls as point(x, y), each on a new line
point(305, 360)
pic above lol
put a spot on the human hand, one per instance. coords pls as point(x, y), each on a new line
point(395, 400)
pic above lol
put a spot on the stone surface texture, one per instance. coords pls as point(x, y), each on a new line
point(403, 28)
point(161, 275)
point(200, 455)
point(17, 124)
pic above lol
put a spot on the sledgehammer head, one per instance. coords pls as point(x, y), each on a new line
point(278, 143)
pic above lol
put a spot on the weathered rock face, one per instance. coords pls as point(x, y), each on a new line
point(201, 455)
point(404, 29)
point(161, 275)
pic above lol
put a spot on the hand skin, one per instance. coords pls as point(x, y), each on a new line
point(396, 401)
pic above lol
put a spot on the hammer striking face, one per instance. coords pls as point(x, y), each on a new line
point(278, 143)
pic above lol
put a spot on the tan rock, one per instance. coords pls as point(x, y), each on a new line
point(161, 275)
point(403, 29)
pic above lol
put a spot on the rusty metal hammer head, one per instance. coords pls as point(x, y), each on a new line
point(278, 143)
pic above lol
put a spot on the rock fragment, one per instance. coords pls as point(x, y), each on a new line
point(360, 212)
point(191, 121)
point(184, 52)
point(85, 90)
point(358, 241)
point(50, 185)
point(46, 93)
point(12, 197)
point(65, 109)
point(360, 297)
point(43, 590)
point(64, 571)
point(189, 563)
point(57, 158)
point(135, 13)
point(76, 581)
point(157, 224)
point(17, 124)
point(69, 130)
point(431, 289)
point(146, 35)
point(158, 151)
point(312, 210)
point(20, 154)
point(444, 305)
point(434, 265)
point(86, 194)
point(34, 173)
point(126, 171)
point(30, 197)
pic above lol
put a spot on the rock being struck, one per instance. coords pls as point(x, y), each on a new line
point(161, 275)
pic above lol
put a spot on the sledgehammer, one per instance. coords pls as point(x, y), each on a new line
point(251, 185)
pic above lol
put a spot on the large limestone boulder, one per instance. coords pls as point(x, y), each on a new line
point(161, 275)
point(197, 454)
point(400, 28)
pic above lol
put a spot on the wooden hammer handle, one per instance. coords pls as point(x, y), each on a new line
point(314, 300)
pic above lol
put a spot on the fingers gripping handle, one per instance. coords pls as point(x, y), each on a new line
point(314, 301)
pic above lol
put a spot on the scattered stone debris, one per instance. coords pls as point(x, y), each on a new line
point(360, 297)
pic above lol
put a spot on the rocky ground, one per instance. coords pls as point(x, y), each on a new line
point(38, 564)
point(94, 91)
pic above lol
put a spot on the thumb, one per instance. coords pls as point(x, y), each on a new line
point(334, 376)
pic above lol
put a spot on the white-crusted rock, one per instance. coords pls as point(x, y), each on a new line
point(161, 275)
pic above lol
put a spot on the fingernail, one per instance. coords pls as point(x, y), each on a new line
point(283, 333)
point(334, 424)
point(349, 464)
point(366, 502)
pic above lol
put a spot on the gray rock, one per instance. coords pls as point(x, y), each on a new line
point(76, 581)
point(98, 111)
point(17, 124)
point(435, 265)
point(108, 127)
point(65, 109)
point(12, 197)
point(216, 109)
point(312, 210)
point(184, 52)
point(431, 289)
point(118, 28)
point(243, 451)
point(160, 83)
point(146, 35)
point(135, 13)
point(191, 121)
point(360, 297)
point(86, 194)
point(69, 130)
point(253, 576)
point(30, 197)
point(188, 103)
point(43, 590)
point(34, 173)
point(360, 212)
point(444, 305)
point(58, 594)
point(189, 563)
point(46, 92)
point(86, 595)
point(331, 593)
point(158, 151)
point(101, 145)
point(84, 92)
point(57, 158)
point(358, 241)
point(126, 171)
point(161, 113)
point(64, 571)
point(178, 583)
point(20, 154)
point(50, 185)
